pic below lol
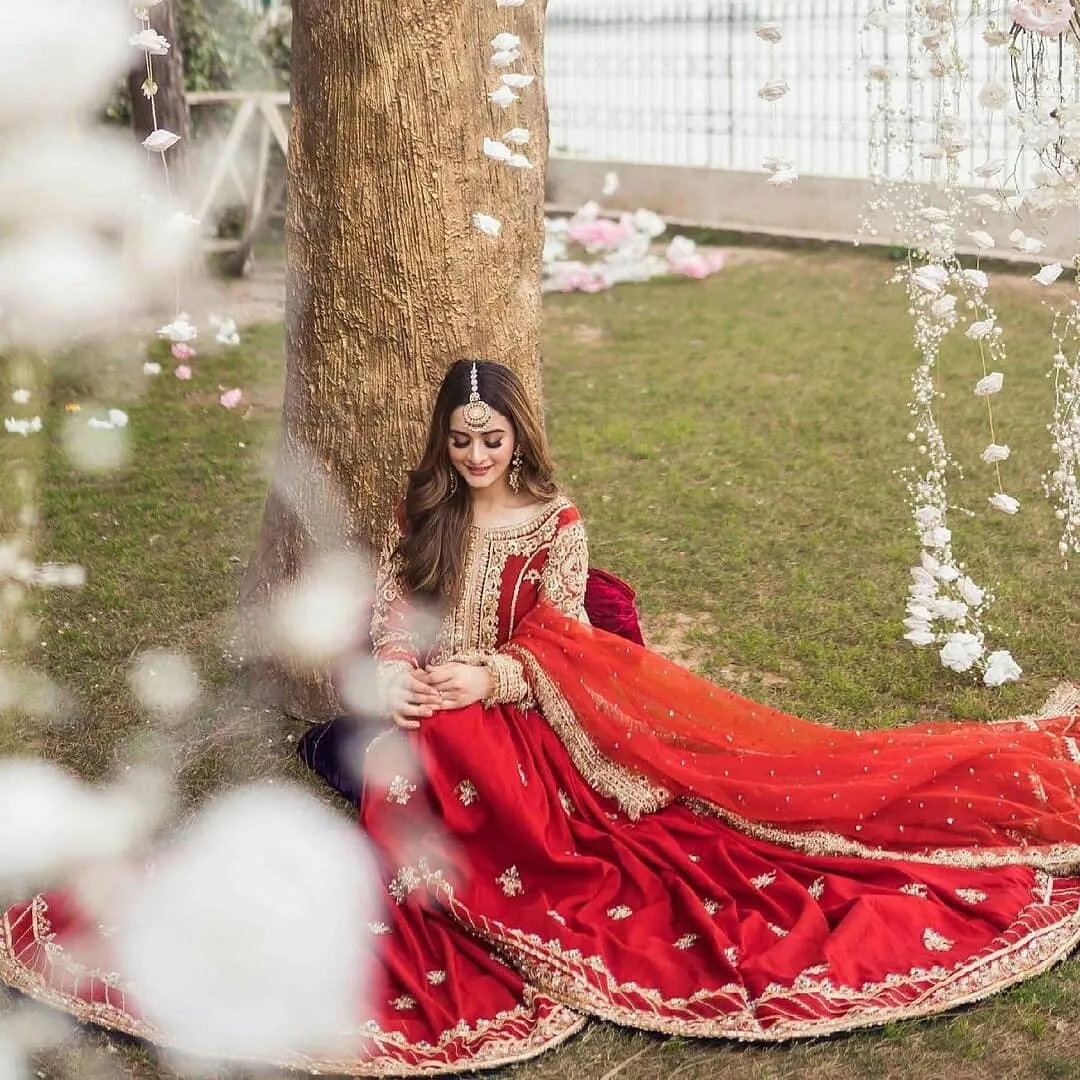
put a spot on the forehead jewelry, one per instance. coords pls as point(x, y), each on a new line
point(477, 413)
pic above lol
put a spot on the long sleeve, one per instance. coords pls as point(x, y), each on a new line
point(391, 638)
point(562, 585)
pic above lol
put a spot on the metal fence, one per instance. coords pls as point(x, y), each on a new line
point(674, 82)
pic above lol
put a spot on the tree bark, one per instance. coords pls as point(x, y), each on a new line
point(170, 101)
point(389, 281)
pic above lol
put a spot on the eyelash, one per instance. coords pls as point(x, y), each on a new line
point(490, 446)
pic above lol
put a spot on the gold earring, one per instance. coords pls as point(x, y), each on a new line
point(515, 472)
point(453, 482)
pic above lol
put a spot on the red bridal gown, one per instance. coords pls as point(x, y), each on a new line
point(614, 837)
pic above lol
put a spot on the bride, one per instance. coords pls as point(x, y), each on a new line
point(571, 826)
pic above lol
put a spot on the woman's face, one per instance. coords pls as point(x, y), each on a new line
point(482, 458)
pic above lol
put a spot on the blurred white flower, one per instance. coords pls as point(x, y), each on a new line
point(497, 150)
point(937, 537)
point(934, 214)
point(504, 58)
point(180, 329)
point(509, 3)
point(919, 637)
point(504, 97)
point(981, 239)
point(519, 161)
point(989, 168)
point(648, 223)
point(995, 452)
point(1029, 245)
point(950, 610)
point(978, 330)
point(181, 222)
point(611, 184)
point(931, 278)
point(150, 41)
point(989, 384)
point(993, 96)
point(770, 32)
point(203, 935)
point(20, 396)
point(977, 279)
point(1001, 668)
point(96, 446)
point(1005, 503)
point(774, 90)
point(783, 178)
point(516, 81)
point(1048, 274)
point(971, 592)
point(880, 72)
point(505, 42)
point(488, 225)
point(164, 682)
point(226, 330)
point(151, 367)
point(943, 306)
point(1050, 18)
point(22, 427)
point(160, 140)
point(960, 651)
point(519, 136)
point(985, 201)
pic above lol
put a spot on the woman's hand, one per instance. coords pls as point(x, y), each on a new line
point(458, 685)
point(411, 699)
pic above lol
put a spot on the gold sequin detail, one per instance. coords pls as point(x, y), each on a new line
point(400, 790)
point(686, 941)
point(763, 881)
point(436, 978)
point(405, 881)
point(915, 888)
point(816, 888)
point(378, 928)
point(564, 800)
point(620, 911)
point(510, 881)
point(971, 896)
point(466, 792)
point(404, 1002)
point(936, 942)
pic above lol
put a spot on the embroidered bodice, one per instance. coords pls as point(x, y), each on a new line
point(506, 572)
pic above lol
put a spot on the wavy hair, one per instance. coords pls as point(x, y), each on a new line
point(437, 511)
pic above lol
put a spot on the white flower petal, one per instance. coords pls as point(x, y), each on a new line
point(161, 140)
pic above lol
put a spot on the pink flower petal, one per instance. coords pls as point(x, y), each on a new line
point(231, 398)
point(182, 351)
point(182, 372)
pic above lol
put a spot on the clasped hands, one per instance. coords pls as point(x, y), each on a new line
point(421, 692)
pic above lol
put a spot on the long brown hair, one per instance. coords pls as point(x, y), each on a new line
point(438, 510)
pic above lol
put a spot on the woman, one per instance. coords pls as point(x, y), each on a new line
point(589, 830)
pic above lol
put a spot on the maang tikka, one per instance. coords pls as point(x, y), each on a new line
point(477, 413)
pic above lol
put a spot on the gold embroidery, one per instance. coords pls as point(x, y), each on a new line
point(405, 881)
point(404, 1002)
point(466, 792)
point(711, 906)
point(620, 911)
point(634, 794)
point(521, 775)
point(378, 928)
point(510, 881)
point(763, 881)
point(436, 978)
point(915, 888)
point(390, 635)
point(686, 941)
point(731, 955)
point(557, 917)
point(567, 805)
point(779, 931)
point(400, 790)
point(936, 942)
point(567, 570)
point(694, 858)
point(971, 896)
point(509, 684)
point(816, 888)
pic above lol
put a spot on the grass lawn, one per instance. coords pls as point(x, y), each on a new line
point(734, 446)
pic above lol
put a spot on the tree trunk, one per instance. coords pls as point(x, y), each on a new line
point(389, 281)
point(170, 101)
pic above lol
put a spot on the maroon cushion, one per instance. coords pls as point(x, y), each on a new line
point(609, 603)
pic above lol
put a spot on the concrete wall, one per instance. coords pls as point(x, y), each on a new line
point(813, 208)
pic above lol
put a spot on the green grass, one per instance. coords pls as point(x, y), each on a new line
point(735, 447)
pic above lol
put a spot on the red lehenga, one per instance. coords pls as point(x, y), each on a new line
point(615, 837)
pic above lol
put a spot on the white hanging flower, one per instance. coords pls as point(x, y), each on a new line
point(22, 427)
point(971, 592)
point(181, 223)
point(927, 516)
point(950, 610)
point(960, 651)
point(611, 184)
point(931, 278)
point(226, 331)
point(990, 168)
point(150, 41)
point(1005, 503)
point(508, 3)
point(774, 163)
point(497, 150)
point(20, 396)
point(1029, 245)
point(943, 306)
point(995, 38)
point(151, 367)
point(977, 279)
point(487, 224)
point(995, 452)
point(981, 239)
point(783, 178)
point(161, 140)
point(934, 214)
point(516, 81)
point(519, 161)
point(180, 329)
point(880, 73)
point(937, 537)
point(774, 90)
point(1001, 668)
point(505, 42)
point(504, 97)
point(519, 136)
point(919, 637)
point(1048, 274)
point(770, 32)
point(504, 58)
point(989, 384)
point(984, 200)
point(993, 96)
point(978, 330)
